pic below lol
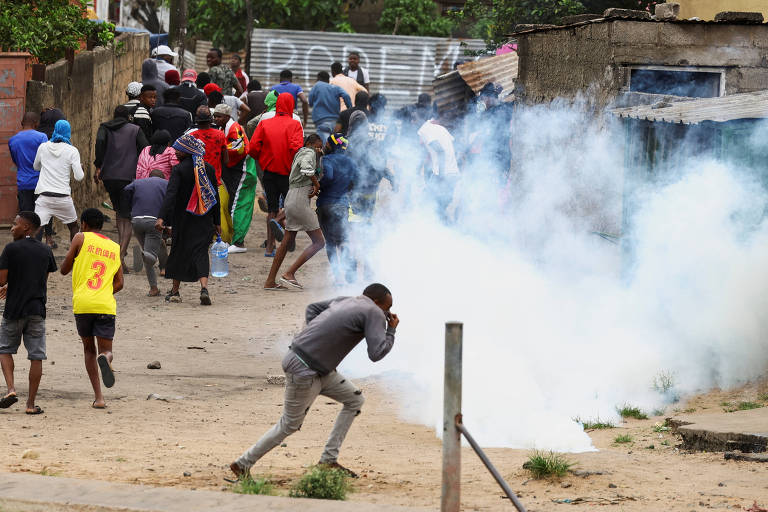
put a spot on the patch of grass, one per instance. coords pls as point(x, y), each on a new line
point(663, 382)
point(46, 471)
point(323, 484)
point(119, 459)
point(659, 427)
point(547, 464)
point(249, 485)
point(690, 410)
point(596, 424)
point(628, 411)
point(658, 412)
point(665, 442)
point(745, 406)
point(622, 439)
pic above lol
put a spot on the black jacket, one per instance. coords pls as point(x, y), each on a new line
point(117, 150)
point(191, 97)
point(173, 118)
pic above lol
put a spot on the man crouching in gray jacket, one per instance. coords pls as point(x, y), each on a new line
point(334, 327)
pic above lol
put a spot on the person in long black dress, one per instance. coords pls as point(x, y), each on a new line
point(191, 209)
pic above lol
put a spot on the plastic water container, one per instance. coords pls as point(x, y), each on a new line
point(219, 258)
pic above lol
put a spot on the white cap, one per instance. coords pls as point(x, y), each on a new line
point(163, 50)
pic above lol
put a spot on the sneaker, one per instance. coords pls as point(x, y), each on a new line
point(336, 465)
point(234, 249)
point(277, 230)
point(205, 299)
point(173, 297)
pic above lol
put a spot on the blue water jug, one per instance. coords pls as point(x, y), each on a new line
point(219, 258)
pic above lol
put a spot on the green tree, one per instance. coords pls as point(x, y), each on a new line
point(414, 18)
point(494, 20)
point(224, 21)
point(48, 28)
point(599, 6)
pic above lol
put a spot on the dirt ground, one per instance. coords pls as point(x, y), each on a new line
point(216, 402)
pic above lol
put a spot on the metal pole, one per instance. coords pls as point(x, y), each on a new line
point(451, 494)
point(480, 453)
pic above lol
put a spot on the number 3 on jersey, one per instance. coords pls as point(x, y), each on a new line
point(99, 268)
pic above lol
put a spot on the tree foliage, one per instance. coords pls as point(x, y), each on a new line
point(414, 18)
point(224, 21)
point(48, 28)
point(493, 20)
point(599, 6)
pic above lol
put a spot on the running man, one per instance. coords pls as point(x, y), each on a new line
point(24, 267)
point(334, 327)
point(97, 275)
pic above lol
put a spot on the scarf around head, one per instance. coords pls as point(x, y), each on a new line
point(62, 132)
point(203, 196)
point(271, 101)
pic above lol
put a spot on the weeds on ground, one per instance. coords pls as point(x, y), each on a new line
point(740, 406)
point(690, 410)
point(763, 397)
point(249, 485)
point(596, 424)
point(628, 411)
point(323, 484)
point(46, 471)
point(659, 427)
point(622, 439)
point(658, 412)
point(547, 464)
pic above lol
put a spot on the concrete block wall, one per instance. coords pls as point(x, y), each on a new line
point(88, 96)
point(561, 63)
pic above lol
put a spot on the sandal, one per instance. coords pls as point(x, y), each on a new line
point(98, 406)
point(290, 283)
point(173, 297)
point(270, 254)
point(8, 400)
point(36, 410)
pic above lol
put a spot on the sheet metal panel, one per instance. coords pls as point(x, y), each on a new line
point(500, 69)
point(400, 67)
point(450, 93)
point(750, 105)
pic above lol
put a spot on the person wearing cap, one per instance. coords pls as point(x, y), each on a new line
point(164, 59)
point(215, 96)
point(214, 140)
point(339, 175)
point(232, 172)
point(221, 74)
point(190, 96)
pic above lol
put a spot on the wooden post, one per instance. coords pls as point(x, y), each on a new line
point(177, 29)
point(451, 494)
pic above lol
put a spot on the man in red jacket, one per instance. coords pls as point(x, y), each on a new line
point(274, 143)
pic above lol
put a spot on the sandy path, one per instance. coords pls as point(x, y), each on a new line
point(225, 403)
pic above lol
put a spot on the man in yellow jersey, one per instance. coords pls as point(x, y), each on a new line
point(97, 275)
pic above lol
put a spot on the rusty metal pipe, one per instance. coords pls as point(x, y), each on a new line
point(480, 453)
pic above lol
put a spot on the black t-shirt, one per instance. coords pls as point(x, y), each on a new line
point(28, 263)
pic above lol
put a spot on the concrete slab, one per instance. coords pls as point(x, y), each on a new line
point(745, 431)
point(29, 493)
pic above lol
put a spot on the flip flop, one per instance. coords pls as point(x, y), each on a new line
point(107, 375)
point(98, 406)
point(290, 283)
point(277, 230)
point(36, 410)
point(8, 400)
point(277, 288)
point(270, 254)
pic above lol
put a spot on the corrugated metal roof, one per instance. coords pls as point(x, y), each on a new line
point(750, 105)
point(400, 67)
point(201, 50)
point(500, 69)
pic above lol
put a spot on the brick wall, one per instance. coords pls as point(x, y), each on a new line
point(88, 96)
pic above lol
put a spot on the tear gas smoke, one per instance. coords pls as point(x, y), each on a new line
point(551, 329)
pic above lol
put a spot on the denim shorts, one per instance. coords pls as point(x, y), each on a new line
point(31, 328)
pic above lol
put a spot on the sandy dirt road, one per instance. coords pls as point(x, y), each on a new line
point(217, 401)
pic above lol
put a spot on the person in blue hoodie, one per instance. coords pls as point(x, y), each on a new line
point(339, 175)
point(23, 147)
point(324, 100)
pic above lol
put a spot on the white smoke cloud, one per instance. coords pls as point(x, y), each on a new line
point(553, 329)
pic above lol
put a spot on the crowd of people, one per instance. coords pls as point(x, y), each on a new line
point(182, 159)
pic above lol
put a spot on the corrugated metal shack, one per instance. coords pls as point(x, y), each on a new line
point(453, 90)
point(400, 67)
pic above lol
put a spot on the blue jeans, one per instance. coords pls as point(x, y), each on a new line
point(324, 128)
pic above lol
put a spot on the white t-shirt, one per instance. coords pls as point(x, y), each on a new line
point(431, 132)
point(234, 103)
point(353, 74)
point(162, 67)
